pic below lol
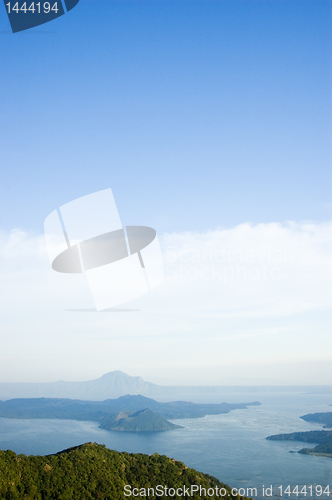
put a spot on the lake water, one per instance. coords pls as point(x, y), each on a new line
point(231, 447)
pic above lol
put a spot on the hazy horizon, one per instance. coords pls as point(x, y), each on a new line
point(169, 382)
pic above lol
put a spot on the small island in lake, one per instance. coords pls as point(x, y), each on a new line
point(140, 421)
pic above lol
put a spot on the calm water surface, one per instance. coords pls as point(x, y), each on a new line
point(231, 447)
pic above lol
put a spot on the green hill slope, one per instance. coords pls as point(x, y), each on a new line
point(91, 471)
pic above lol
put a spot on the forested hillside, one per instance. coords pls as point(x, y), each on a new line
point(91, 471)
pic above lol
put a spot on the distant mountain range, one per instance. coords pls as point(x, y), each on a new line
point(115, 384)
point(101, 411)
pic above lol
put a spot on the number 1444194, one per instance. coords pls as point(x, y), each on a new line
point(34, 7)
point(297, 490)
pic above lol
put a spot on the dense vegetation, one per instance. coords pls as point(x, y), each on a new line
point(323, 438)
point(91, 471)
point(139, 421)
point(320, 418)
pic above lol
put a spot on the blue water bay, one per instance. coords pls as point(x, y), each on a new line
point(231, 447)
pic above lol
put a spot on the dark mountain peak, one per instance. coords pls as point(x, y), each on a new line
point(79, 447)
point(135, 398)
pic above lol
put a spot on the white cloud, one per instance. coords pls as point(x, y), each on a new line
point(260, 292)
point(263, 270)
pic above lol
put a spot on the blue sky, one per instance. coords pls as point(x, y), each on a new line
point(197, 114)
point(211, 122)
